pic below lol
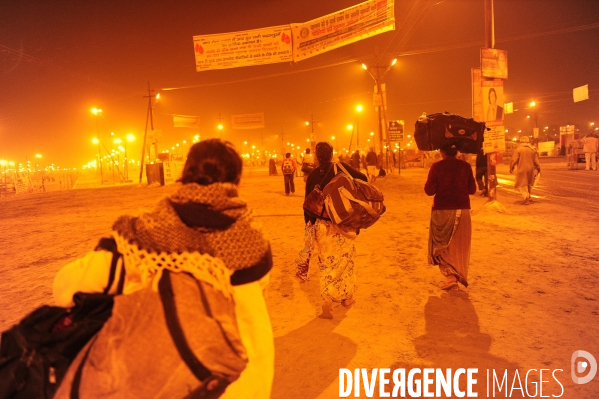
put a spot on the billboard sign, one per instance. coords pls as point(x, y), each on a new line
point(396, 131)
point(245, 48)
point(248, 121)
point(580, 93)
point(343, 27)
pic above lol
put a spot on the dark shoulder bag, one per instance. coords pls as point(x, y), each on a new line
point(314, 202)
point(36, 353)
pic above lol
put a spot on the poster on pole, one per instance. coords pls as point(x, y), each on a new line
point(343, 27)
point(248, 121)
point(494, 139)
point(493, 63)
point(477, 96)
point(244, 48)
point(492, 93)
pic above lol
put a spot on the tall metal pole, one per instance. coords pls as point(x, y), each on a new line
point(99, 150)
point(492, 156)
point(150, 117)
point(312, 141)
point(143, 147)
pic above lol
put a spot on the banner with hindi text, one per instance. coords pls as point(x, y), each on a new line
point(244, 48)
point(343, 27)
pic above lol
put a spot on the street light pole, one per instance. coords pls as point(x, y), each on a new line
point(97, 111)
point(381, 104)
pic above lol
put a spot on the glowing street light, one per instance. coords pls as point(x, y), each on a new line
point(97, 111)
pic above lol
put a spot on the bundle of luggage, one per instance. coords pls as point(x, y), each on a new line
point(351, 204)
point(435, 131)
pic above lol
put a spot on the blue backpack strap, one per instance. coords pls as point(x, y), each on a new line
point(109, 244)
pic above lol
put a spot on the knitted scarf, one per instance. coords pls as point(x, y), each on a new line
point(206, 231)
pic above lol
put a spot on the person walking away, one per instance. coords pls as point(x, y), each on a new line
point(355, 160)
point(481, 173)
point(307, 164)
point(371, 162)
point(526, 159)
point(451, 181)
point(202, 230)
point(590, 143)
point(334, 249)
point(272, 167)
point(288, 168)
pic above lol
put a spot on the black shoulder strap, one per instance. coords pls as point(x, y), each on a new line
point(174, 327)
point(76, 384)
point(108, 244)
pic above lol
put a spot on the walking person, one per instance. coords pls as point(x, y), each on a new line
point(355, 160)
point(451, 181)
point(371, 162)
point(288, 168)
point(203, 237)
point(334, 249)
point(590, 143)
point(481, 173)
point(526, 159)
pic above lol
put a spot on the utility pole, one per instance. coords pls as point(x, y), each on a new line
point(380, 103)
point(150, 117)
point(312, 137)
point(492, 156)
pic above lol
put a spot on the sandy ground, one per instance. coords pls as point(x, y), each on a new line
point(532, 301)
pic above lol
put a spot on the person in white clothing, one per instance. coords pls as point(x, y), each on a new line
point(590, 143)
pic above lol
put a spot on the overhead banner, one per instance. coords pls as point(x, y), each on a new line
point(245, 48)
point(186, 121)
point(342, 27)
point(493, 63)
point(492, 98)
point(247, 121)
point(581, 93)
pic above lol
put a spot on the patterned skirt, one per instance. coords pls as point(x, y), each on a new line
point(335, 252)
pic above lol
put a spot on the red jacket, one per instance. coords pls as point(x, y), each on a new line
point(451, 182)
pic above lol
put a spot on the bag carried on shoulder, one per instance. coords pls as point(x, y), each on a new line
point(307, 167)
point(179, 342)
point(36, 353)
point(352, 204)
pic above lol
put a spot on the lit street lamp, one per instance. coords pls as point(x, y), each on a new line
point(97, 111)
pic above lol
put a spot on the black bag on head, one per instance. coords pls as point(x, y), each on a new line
point(439, 130)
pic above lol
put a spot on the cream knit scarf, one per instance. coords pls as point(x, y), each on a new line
point(206, 231)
